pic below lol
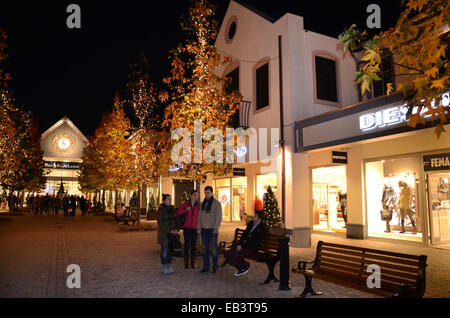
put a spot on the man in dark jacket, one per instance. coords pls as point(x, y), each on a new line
point(248, 244)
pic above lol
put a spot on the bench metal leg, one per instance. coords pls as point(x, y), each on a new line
point(308, 288)
point(271, 268)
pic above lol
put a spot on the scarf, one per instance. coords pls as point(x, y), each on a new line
point(206, 204)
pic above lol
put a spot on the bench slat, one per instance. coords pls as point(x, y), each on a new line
point(390, 259)
point(371, 256)
point(373, 251)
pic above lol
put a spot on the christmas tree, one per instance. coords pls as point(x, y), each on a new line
point(184, 197)
point(272, 216)
point(152, 207)
point(134, 200)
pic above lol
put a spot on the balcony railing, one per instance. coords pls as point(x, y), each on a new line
point(241, 117)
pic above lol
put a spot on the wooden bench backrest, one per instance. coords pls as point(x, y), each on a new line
point(268, 244)
point(352, 262)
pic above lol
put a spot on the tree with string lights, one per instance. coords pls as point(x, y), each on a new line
point(145, 139)
point(21, 158)
point(195, 91)
point(107, 158)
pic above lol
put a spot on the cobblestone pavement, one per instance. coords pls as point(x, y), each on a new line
point(36, 251)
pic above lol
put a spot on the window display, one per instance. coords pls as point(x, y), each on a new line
point(391, 190)
point(329, 198)
point(439, 205)
point(232, 194)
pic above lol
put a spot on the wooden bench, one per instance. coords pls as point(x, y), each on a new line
point(401, 275)
point(267, 253)
point(130, 217)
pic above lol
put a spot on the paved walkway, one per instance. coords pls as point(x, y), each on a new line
point(36, 251)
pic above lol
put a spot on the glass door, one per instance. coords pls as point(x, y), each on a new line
point(439, 207)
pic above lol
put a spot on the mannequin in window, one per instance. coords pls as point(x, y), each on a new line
point(343, 204)
point(405, 205)
point(387, 204)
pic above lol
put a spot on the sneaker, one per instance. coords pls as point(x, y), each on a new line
point(169, 269)
point(242, 272)
point(164, 269)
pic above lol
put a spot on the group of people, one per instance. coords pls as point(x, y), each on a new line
point(51, 204)
point(203, 219)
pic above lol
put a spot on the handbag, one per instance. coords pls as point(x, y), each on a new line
point(386, 215)
point(174, 245)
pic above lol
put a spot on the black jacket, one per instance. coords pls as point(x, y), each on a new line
point(253, 240)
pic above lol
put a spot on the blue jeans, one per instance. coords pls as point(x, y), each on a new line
point(166, 258)
point(209, 237)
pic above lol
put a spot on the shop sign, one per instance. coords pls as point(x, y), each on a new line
point(176, 168)
point(62, 165)
point(436, 162)
point(394, 115)
point(339, 157)
point(239, 172)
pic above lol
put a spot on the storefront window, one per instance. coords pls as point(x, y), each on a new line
point(239, 199)
point(263, 182)
point(232, 195)
point(329, 190)
point(439, 205)
point(392, 198)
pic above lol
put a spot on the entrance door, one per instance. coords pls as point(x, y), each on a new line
point(180, 187)
point(438, 185)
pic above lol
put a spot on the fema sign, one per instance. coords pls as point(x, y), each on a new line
point(436, 162)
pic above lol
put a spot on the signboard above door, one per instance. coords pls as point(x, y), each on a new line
point(436, 162)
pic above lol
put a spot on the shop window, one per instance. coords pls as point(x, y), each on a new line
point(232, 195)
point(263, 182)
point(392, 198)
point(329, 189)
point(439, 204)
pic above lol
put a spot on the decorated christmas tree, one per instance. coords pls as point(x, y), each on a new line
point(134, 199)
point(272, 216)
point(184, 197)
point(152, 208)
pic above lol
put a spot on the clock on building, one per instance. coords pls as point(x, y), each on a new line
point(63, 142)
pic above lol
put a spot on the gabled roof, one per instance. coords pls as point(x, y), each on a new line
point(70, 124)
point(258, 12)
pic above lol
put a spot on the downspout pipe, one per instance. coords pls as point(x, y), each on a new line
point(283, 159)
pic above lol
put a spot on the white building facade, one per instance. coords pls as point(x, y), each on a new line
point(340, 152)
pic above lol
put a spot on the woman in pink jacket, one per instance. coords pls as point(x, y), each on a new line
point(190, 209)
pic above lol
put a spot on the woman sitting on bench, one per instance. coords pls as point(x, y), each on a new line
point(248, 244)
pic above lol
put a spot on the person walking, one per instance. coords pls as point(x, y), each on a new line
point(83, 206)
point(248, 244)
point(66, 205)
point(167, 225)
point(73, 204)
point(209, 219)
point(189, 210)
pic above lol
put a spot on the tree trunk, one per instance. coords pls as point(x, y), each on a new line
point(138, 219)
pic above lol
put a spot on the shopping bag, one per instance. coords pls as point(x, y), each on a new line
point(175, 245)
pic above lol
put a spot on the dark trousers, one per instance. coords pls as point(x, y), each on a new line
point(190, 242)
point(209, 237)
point(66, 211)
point(237, 258)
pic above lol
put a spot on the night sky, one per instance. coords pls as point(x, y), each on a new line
point(59, 72)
